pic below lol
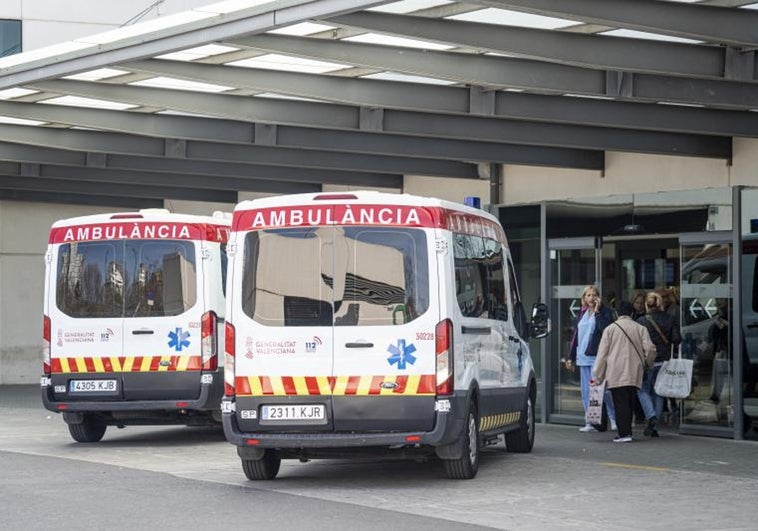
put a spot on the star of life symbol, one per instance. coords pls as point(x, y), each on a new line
point(179, 339)
point(401, 354)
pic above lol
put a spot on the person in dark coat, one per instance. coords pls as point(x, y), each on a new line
point(665, 336)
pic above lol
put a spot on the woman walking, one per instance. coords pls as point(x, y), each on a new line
point(594, 317)
point(625, 351)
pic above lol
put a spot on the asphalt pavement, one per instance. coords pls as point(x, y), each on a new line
point(190, 478)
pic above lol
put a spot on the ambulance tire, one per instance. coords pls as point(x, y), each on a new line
point(262, 469)
point(522, 440)
point(467, 465)
point(89, 431)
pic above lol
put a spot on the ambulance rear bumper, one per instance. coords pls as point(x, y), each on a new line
point(209, 399)
point(449, 421)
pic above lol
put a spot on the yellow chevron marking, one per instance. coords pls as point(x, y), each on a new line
point(80, 365)
point(255, 385)
point(64, 365)
point(183, 363)
point(145, 367)
point(277, 385)
point(413, 382)
point(323, 385)
point(300, 387)
point(98, 363)
point(116, 363)
point(340, 385)
point(365, 385)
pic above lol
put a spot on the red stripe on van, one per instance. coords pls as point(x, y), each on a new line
point(266, 385)
point(376, 385)
point(195, 363)
point(352, 385)
point(401, 382)
point(72, 366)
point(242, 386)
point(427, 384)
point(155, 363)
point(107, 365)
point(90, 364)
point(332, 381)
point(137, 364)
point(289, 385)
point(55, 365)
point(174, 363)
point(312, 384)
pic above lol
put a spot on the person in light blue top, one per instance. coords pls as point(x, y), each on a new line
point(593, 318)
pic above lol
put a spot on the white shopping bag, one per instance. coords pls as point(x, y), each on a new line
point(675, 378)
point(595, 406)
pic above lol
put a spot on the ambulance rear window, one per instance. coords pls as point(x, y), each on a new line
point(126, 278)
point(341, 276)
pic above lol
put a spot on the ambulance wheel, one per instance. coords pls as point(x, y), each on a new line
point(467, 465)
point(89, 431)
point(522, 440)
point(265, 468)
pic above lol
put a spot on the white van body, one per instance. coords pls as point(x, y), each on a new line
point(133, 310)
point(371, 321)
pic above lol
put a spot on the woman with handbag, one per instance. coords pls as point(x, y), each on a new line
point(593, 318)
point(625, 351)
point(665, 336)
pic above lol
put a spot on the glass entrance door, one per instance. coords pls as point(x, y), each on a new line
point(705, 314)
point(574, 264)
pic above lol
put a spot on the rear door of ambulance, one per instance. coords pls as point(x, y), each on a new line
point(385, 312)
point(85, 304)
point(163, 312)
point(282, 300)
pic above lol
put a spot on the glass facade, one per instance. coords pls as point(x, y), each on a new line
point(10, 37)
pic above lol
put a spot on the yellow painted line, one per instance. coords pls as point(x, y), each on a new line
point(638, 467)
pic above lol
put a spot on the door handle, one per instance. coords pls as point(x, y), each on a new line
point(752, 325)
point(142, 332)
point(479, 330)
point(359, 345)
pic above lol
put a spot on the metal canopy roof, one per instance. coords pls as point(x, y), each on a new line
point(285, 96)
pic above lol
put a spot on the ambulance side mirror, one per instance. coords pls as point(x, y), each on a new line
point(540, 324)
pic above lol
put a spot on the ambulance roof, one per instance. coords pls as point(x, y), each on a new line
point(360, 197)
point(149, 214)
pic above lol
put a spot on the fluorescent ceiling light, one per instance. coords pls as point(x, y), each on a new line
point(301, 29)
point(276, 96)
point(230, 6)
point(96, 75)
point(11, 93)
point(286, 63)
point(199, 52)
point(513, 18)
point(408, 6)
point(394, 76)
point(18, 121)
point(634, 34)
point(388, 40)
point(588, 96)
point(77, 101)
point(180, 84)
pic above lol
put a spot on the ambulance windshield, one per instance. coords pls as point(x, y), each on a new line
point(341, 276)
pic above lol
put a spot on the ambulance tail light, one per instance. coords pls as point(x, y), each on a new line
point(209, 341)
point(444, 350)
point(229, 360)
point(46, 345)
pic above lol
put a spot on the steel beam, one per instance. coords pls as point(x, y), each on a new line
point(593, 51)
point(207, 26)
point(321, 144)
point(401, 122)
point(700, 22)
point(79, 199)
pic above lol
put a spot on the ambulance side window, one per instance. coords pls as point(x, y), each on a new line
point(90, 279)
point(496, 304)
point(470, 274)
point(519, 316)
point(224, 262)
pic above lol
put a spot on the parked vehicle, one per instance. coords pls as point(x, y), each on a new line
point(133, 307)
point(371, 323)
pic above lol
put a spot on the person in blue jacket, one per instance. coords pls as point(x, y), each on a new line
point(593, 318)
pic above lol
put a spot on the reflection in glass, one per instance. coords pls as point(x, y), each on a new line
point(706, 336)
point(90, 279)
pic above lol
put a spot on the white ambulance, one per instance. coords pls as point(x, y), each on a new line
point(367, 322)
point(134, 303)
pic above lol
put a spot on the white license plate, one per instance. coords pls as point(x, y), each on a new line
point(93, 386)
point(284, 413)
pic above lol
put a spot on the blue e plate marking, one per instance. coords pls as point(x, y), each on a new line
point(401, 354)
point(179, 339)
